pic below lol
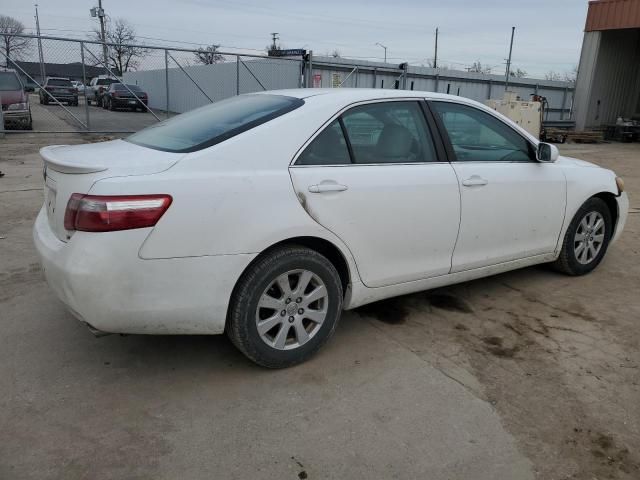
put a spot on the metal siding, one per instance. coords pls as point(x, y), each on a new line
point(613, 14)
point(615, 78)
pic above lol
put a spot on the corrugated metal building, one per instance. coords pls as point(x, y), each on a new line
point(608, 84)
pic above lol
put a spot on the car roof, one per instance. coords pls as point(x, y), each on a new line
point(350, 95)
point(343, 97)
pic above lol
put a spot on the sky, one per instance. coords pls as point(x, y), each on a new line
point(548, 32)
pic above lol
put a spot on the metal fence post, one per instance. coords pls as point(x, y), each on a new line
point(237, 74)
point(375, 74)
point(310, 82)
point(166, 79)
point(490, 84)
point(1, 119)
point(564, 102)
point(84, 82)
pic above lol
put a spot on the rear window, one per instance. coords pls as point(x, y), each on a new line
point(120, 86)
point(106, 81)
point(59, 82)
point(9, 81)
point(214, 123)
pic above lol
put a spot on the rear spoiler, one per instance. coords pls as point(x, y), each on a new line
point(61, 165)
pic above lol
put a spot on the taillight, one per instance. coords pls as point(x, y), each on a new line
point(100, 89)
point(107, 213)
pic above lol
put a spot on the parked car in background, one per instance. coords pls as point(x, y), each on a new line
point(265, 215)
point(97, 87)
point(118, 96)
point(16, 110)
point(59, 89)
point(78, 85)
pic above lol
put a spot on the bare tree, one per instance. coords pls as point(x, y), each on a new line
point(478, 68)
point(11, 46)
point(571, 75)
point(518, 73)
point(208, 55)
point(551, 75)
point(121, 52)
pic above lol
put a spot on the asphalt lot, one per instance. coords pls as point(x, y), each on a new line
point(528, 374)
point(53, 117)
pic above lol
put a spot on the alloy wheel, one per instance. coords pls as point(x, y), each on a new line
point(292, 309)
point(589, 237)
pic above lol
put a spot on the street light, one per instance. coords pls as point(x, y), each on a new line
point(385, 51)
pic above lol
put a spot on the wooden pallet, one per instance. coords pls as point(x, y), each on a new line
point(559, 135)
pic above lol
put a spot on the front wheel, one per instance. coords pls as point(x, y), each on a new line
point(285, 307)
point(587, 238)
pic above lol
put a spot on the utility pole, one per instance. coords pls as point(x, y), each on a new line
point(43, 73)
point(274, 38)
point(435, 56)
point(506, 81)
point(99, 12)
point(385, 50)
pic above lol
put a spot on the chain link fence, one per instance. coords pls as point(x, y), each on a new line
point(156, 83)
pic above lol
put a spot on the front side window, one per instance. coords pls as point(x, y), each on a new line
point(389, 132)
point(477, 136)
point(212, 124)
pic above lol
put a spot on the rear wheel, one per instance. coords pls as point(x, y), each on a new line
point(587, 238)
point(285, 307)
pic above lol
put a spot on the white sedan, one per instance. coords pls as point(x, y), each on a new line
point(265, 215)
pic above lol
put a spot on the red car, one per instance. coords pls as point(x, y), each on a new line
point(15, 102)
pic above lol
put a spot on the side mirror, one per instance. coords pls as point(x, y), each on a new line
point(547, 153)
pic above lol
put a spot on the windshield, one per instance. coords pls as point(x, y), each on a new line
point(214, 123)
point(59, 82)
point(9, 81)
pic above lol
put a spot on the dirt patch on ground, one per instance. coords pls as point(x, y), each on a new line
point(557, 356)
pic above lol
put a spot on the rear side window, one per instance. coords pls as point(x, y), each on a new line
point(328, 148)
point(214, 123)
point(389, 132)
point(381, 132)
point(9, 82)
point(59, 82)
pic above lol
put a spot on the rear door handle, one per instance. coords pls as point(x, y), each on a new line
point(327, 187)
point(474, 181)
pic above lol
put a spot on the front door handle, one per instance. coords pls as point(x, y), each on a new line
point(327, 187)
point(474, 181)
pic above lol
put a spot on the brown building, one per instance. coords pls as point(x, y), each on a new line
point(608, 83)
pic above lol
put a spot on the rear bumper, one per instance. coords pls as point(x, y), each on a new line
point(127, 102)
point(623, 212)
point(102, 280)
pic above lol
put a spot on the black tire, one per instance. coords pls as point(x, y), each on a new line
point(568, 262)
point(242, 327)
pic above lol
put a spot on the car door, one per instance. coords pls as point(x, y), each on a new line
point(375, 178)
point(512, 205)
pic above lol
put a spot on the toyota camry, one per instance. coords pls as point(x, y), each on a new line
point(265, 215)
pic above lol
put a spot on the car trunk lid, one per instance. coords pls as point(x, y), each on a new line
point(74, 169)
